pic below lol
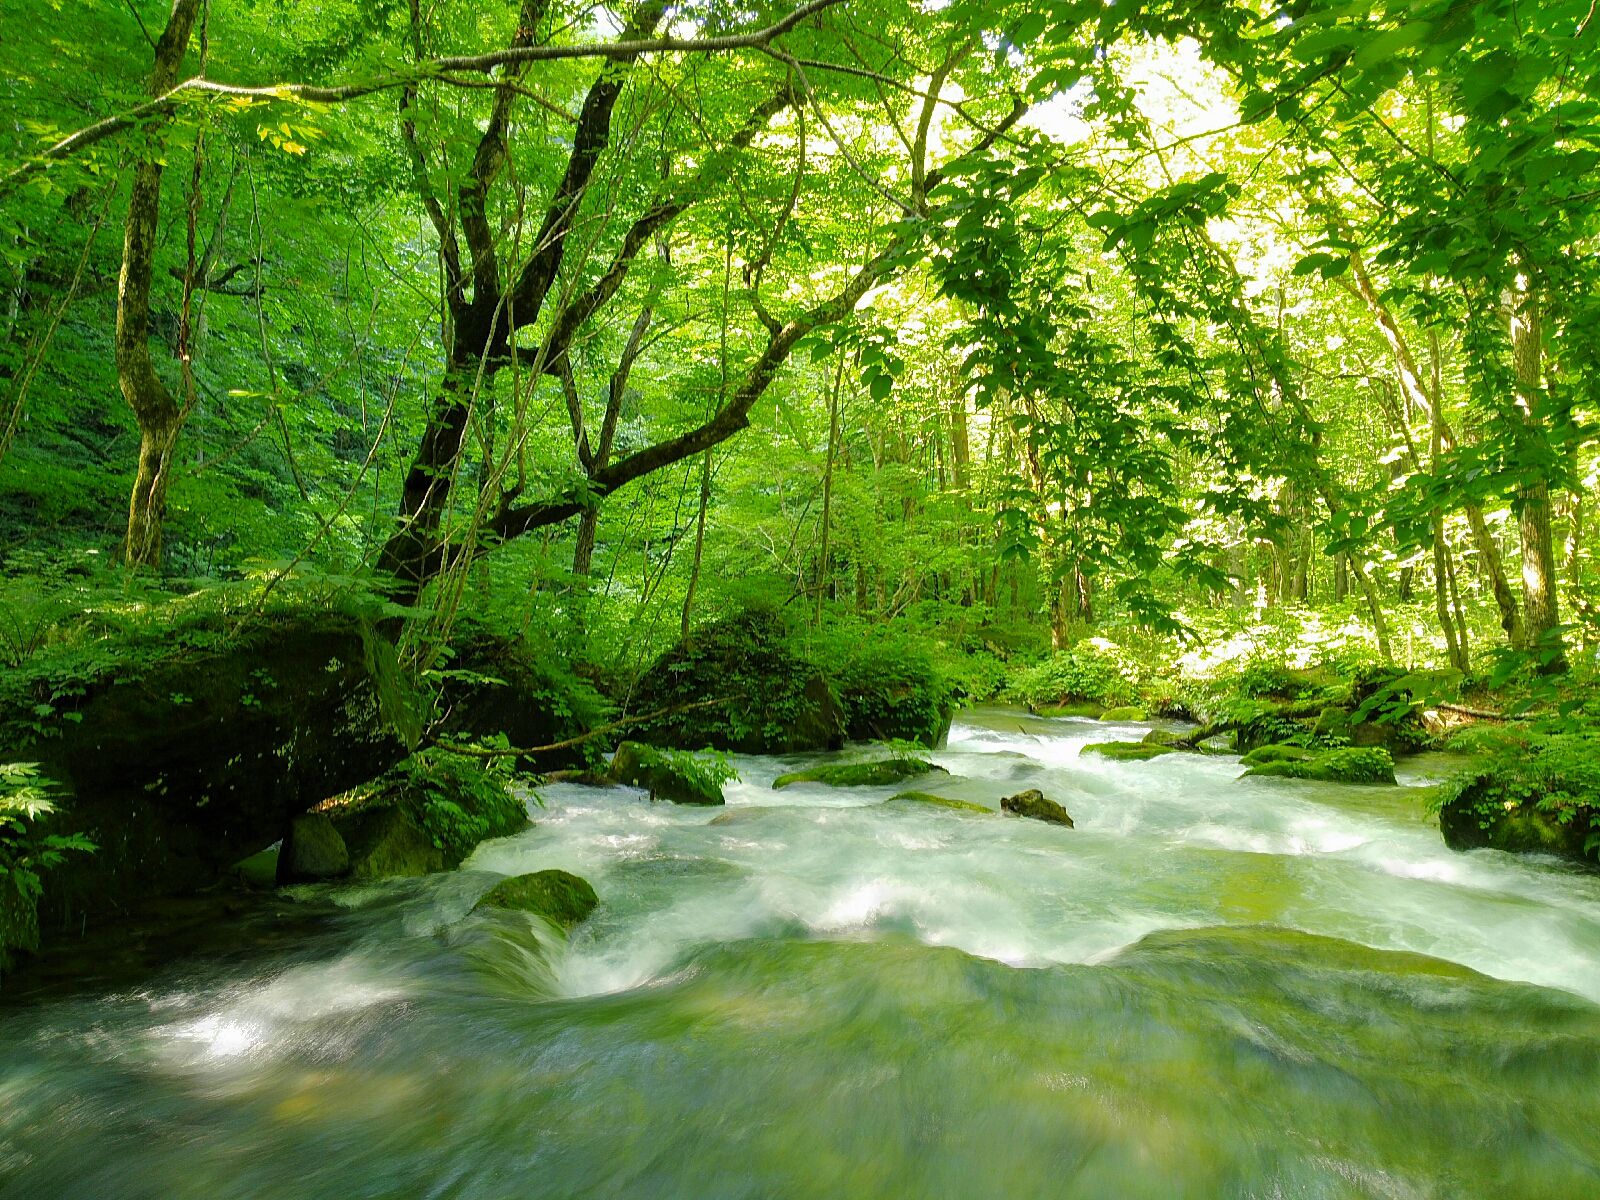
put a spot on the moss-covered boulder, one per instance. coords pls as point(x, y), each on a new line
point(1165, 737)
point(560, 897)
point(1525, 792)
point(312, 851)
point(938, 802)
point(890, 688)
point(666, 776)
point(1349, 765)
point(1033, 803)
point(387, 840)
point(1127, 751)
point(1275, 752)
point(877, 773)
point(770, 700)
point(1126, 712)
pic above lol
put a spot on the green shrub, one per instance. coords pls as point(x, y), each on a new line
point(1549, 785)
point(460, 799)
point(887, 682)
point(1083, 674)
point(26, 854)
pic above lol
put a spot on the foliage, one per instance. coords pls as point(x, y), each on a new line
point(26, 854)
point(703, 771)
point(1516, 769)
point(461, 799)
point(1084, 673)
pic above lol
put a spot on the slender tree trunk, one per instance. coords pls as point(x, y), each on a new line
point(699, 545)
point(1543, 628)
point(827, 491)
point(154, 408)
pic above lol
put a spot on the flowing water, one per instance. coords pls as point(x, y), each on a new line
point(1210, 988)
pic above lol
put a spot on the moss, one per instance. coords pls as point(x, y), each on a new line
point(664, 778)
point(1332, 721)
point(1526, 793)
point(1262, 755)
point(940, 801)
point(558, 896)
point(1032, 803)
point(1351, 765)
point(1127, 751)
point(878, 773)
point(1164, 737)
point(1079, 709)
point(1128, 712)
point(387, 840)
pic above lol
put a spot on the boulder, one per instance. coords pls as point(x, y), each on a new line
point(1128, 712)
point(1032, 803)
point(771, 700)
point(877, 773)
point(312, 851)
point(1350, 765)
point(1165, 737)
point(1275, 752)
point(387, 840)
point(1127, 751)
point(560, 897)
point(641, 766)
point(938, 802)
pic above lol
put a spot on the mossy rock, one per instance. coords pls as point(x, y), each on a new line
point(776, 702)
point(878, 773)
point(938, 801)
point(1165, 737)
point(1350, 765)
point(1276, 752)
point(313, 851)
point(1468, 826)
point(1128, 751)
point(1077, 709)
point(387, 840)
point(1033, 803)
point(561, 897)
point(634, 765)
point(1128, 712)
point(1332, 721)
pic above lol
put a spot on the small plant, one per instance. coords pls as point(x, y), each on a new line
point(461, 799)
point(705, 770)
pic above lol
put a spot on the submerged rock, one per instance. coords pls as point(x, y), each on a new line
point(1032, 803)
point(1128, 712)
point(863, 774)
point(939, 801)
point(559, 896)
point(313, 851)
point(1128, 751)
point(642, 766)
point(1350, 765)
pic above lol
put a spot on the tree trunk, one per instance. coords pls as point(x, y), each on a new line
point(1543, 621)
point(827, 490)
point(157, 413)
point(699, 545)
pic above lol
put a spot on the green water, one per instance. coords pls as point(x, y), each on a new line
point(1210, 988)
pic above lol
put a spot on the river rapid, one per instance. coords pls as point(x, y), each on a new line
point(1211, 988)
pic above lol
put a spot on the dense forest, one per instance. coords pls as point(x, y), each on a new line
point(405, 404)
point(1087, 509)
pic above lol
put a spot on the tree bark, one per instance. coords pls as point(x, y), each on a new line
point(158, 415)
point(1543, 628)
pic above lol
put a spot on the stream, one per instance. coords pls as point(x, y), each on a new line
point(1211, 988)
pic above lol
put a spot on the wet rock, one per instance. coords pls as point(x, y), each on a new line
point(313, 851)
point(938, 801)
point(559, 896)
point(864, 774)
point(1128, 712)
point(1127, 751)
point(642, 766)
point(1350, 765)
point(388, 840)
point(1032, 803)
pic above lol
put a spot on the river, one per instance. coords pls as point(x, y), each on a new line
point(1211, 988)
